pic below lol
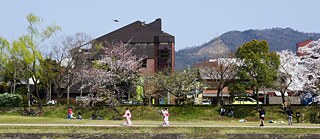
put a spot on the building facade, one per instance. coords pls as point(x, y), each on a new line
point(148, 40)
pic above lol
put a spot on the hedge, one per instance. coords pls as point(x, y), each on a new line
point(9, 100)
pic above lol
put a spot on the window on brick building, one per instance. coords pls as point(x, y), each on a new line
point(144, 63)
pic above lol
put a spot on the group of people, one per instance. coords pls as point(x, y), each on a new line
point(165, 115)
point(223, 111)
point(288, 111)
point(71, 114)
point(127, 115)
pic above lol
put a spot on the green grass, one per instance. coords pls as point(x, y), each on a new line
point(190, 130)
point(178, 113)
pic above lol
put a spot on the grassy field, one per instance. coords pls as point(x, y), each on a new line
point(158, 130)
point(147, 119)
point(178, 113)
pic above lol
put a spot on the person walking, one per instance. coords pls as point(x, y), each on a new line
point(127, 116)
point(165, 116)
point(261, 115)
point(290, 114)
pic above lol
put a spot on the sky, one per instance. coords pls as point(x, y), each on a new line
point(192, 22)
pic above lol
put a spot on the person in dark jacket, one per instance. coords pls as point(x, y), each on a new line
point(290, 114)
point(261, 115)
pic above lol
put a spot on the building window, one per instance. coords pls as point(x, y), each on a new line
point(144, 63)
point(164, 53)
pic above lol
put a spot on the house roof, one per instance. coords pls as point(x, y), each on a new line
point(303, 43)
point(213, 92)
point(135, 32)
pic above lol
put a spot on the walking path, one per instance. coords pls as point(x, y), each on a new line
point(158, 125)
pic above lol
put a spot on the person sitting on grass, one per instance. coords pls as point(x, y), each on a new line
point(79, 116)
point(70, 113)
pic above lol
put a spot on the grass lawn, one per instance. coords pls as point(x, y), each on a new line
point(146, 119)
point(59, 125)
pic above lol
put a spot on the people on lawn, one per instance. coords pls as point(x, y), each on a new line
point(70, 113)
point(290, 114)
point(165, 116)
point(261, 116)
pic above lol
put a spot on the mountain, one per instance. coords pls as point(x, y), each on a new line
point(278, 38)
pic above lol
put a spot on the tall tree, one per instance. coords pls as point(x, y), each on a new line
point(110, 76)
point(10, 63)
point(285, 76)
point(259, 66)
point(49, 70)
point(29, 45)
point(70, 53)
point(220, 71)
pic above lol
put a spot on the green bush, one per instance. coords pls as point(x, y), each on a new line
point(9, 100)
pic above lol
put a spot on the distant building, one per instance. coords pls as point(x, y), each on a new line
point(302, 44)
point(148, 40)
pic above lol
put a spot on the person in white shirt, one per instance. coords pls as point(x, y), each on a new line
point(165, 116)
point(127, 115)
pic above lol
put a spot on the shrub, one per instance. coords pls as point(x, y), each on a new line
point(9, 100)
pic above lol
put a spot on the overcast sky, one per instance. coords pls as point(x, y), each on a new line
point(192, 22)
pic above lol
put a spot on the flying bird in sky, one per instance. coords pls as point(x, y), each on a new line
point(115, 20)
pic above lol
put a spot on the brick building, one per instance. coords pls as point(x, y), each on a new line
point(148, 40)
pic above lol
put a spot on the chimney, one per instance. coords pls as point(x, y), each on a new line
point(156, 23)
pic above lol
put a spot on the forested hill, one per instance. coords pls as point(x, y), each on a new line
point(278, 38)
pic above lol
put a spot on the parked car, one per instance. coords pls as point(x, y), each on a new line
point(132, 103)
point(245, 100)
point(206, 102)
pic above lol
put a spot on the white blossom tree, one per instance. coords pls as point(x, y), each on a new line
point(109, 76)
point(302, 71)
point(285, 72)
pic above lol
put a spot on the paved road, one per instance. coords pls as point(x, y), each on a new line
point(157, 125)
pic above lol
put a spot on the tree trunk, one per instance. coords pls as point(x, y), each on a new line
point(13, 91)
point(29, 96)
point(38, 96)
point(68, 92)
point(257, 95)
point(218, 97)
point(47, 94)
point(50, 92)
point(150, 101)
point(282, 96)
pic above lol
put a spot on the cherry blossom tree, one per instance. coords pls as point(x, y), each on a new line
point(285, 72)
point(310, 65)
point(109, 76)
point(301, 72)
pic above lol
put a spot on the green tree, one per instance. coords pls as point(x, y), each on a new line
point(179, 83)
point(49, 71)
point(26, 52)
point(259, 66)
point(10, 63)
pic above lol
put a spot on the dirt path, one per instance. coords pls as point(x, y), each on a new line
point(158, 125)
